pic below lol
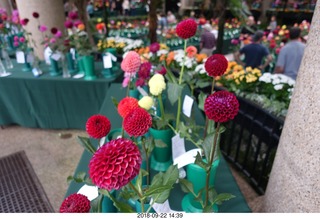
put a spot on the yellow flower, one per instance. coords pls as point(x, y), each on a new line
point(281, 32)
point(99, 20)
point(248, 69)
point(157, 84)
point(146, 102)
point(284, 27)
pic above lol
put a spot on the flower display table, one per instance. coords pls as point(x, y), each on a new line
point(225, 182)
point(50, 102)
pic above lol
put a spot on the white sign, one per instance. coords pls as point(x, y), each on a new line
point(20, 57)
point(107, 63)
point(90, 191)
point(187, 105)
point(186, 158)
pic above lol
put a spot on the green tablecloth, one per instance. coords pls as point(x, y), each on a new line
point(225, 182)
point(50, 102)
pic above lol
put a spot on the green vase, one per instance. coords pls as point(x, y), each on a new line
point(70, 63)
point(134, 93)
point(80, 65)
point(107, 205)
point(197, 176)
point(161, 157)
point(88, 65)
point(54, 68)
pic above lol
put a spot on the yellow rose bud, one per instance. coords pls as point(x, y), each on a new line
point(157, 84)
point(146, 102)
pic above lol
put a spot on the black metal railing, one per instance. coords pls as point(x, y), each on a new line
point(250, 143)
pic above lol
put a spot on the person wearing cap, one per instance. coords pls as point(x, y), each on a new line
point(290, 56)
point(255, 54)
point(207, 41)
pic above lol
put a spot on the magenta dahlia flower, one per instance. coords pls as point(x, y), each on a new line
point(126, 105)
point(186, 28)
point(216, 65)
point(24, 21)
point(75, 203)
point(35, 14)
point(115, 164)
point(137, 122)
point(221, 106)
point(162, 70)
point(98, 126)
point(145, 69)
point(68, 24)
point(131, 62)
point(154, 47)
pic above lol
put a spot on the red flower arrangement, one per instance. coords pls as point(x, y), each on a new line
point(98, 126)
point(221, 106)
point(216, 65)
point(131, 62)
point(186, 28)
point(75, 203)
point(137, 122)
point(126, 105)
point(115, 164)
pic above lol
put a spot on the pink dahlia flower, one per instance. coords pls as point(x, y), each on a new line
point(98, 126)
point(221, 106)
point(131, 62)
point(75, 203)
point(126, 105)
point(216, 65)
point(115, 164)
point(137, 122)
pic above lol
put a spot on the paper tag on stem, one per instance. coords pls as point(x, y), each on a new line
point(142, 91)
point(186, 158)
point(162, 208)
point(107, 63)
point(20, 57)
point(187, 105)
point(90, 191)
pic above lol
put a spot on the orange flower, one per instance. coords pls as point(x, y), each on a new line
point(170, 57)
point(200, 57)
point(81, 27)
point(191, 51)
point(162, 57)
point(100, 26)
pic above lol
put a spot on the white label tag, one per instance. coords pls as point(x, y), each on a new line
point(186, 158)
point(56, 56)
point(47, 53)
point(162, 208)
point(20, 57)
point(102, 140)
point(73, 53)
point(187, 105)
point(78, 76)
point(90, 191)
point(107, 63)
point(142, 91)
point(178, 148)
point(5, 74)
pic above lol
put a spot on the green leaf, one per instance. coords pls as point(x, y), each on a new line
point(96, 204)
point(155, 190)
point(69, 179)
point(208, 209)
point(203, 84)
point(161, 198)
point(223, 197)
point(202, 97)
point(207, 145)
point(149, 143)
point(171, 175)
point(122, 207)
point(86, 144)
point(199, 161)
point(160, 144)
point(115, 102)
point(186, 186)
point(174, 91)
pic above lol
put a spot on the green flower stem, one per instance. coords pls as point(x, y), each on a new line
point(207, 121)
point(180, 82)
point(139, 194)
point(210, 162)
point(147, 159)
point(161, 106)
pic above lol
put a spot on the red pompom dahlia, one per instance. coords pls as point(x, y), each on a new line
point(126, 105)
point(115, 164)
point(137, 122)
point(75, 203)
point(221, 106)
point(154, 47)
point(98, 126)
point(186, 28)
point(131, 62)
point(216, 65)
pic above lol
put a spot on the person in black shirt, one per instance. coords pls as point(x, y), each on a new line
point(250, 28)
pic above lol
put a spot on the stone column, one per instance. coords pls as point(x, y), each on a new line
point(6, 5)
point(51, 15)
point(294, 184)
